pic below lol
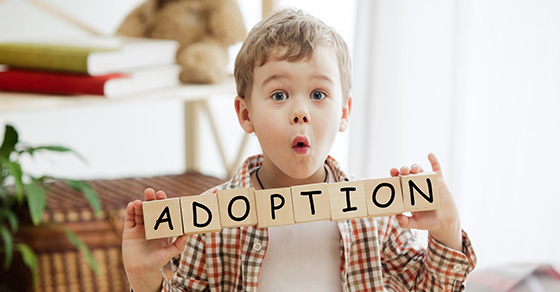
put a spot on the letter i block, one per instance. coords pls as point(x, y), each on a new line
point(384, 196)
point(237, 207)
point(420, 191)
point(311, 203)
point(274, 207)
point(200, 214)
point(162, 218)
point(348, 200)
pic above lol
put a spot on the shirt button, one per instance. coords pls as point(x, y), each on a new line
point(257, 246)
point(457, 267)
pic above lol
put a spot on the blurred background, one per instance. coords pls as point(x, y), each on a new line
point(476, 82)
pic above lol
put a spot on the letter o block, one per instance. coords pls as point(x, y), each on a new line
point(200, 214)
point(162, 218)
point(384, 196)
point(237, 207)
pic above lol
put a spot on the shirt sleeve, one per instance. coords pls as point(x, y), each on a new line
point(409, 267)
point(189, 272)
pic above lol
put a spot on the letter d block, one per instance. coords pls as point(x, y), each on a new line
point(348, 200)
point(274, 207)
point(162, 218)
point(420, 191)
point(237, 207)
point(200, 214)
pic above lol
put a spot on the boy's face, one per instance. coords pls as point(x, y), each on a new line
point(296, 109)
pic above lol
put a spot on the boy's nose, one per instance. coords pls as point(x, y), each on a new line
point(300, 117)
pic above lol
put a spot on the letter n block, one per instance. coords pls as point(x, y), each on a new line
point(311, 202)
point(200, 214)
point(384, 196)
point(274, 207)
point(348, 200)
point(162, 218)
point(237, 207)
point(420, 191)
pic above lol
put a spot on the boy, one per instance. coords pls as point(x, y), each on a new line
point(293, 85)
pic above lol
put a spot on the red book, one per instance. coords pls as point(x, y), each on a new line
point(110, 85)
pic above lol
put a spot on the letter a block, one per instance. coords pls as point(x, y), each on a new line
point(237, 207)
point(348, 200)
point(384, 196)
point(274, 207)
point(200, 214)
point(311, 202)
point(420, 192)
point(162, 218)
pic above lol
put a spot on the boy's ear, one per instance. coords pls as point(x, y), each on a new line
point(243, 115)
point(346, 109)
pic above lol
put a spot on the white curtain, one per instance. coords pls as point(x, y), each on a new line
point(478, 83)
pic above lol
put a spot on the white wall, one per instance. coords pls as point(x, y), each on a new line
point(137, 138)
point(476, 82)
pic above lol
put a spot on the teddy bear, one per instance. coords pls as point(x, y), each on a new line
point(204, 30)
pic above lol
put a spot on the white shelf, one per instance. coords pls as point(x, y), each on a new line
point(15, 101)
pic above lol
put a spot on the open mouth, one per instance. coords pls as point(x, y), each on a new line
point(300, 144)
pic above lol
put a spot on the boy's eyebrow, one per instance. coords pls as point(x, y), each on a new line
point(322, 77)
point(283, 76)
point(274, 77)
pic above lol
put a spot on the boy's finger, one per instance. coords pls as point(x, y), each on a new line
point(149, 194)
point(160, 195)
point(415, 168)
point(405, 170)
point(129, 221)
point(407, 222)
point(394, 172)
point(138, 213)
point(436, 167)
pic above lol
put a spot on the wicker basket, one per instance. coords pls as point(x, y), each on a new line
point(60, 266)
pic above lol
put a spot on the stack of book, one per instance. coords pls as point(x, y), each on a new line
point(111, 67)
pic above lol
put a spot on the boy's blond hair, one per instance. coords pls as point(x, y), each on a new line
point(291, 35)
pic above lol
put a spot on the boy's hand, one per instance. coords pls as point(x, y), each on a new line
point(443, 224)
point(143, 258)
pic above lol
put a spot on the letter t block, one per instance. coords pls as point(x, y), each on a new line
point(162, 218)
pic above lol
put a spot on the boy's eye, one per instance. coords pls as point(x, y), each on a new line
point(318, 95)
point(279, 96)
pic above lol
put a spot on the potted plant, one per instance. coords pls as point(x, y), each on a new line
point(21, 192)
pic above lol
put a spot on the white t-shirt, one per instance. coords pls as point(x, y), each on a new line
point(302, 257)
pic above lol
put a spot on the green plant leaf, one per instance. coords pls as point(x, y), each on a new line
point(32, 150)
point(83, 248)
point(29, 259)
point(36, 200)
point(14, 169)
point(8, 245)
point(89, 193)
point(9, 143)
point(10, 217)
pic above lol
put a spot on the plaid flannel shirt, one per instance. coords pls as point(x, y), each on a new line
point(375, 254)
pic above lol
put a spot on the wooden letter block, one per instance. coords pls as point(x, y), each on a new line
point(162, 218)
point(348, 200)
point(200, 214)
point(384, 196)
point(274, 207)
point(420, 192)
point(311, 202)
point(237, 207)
